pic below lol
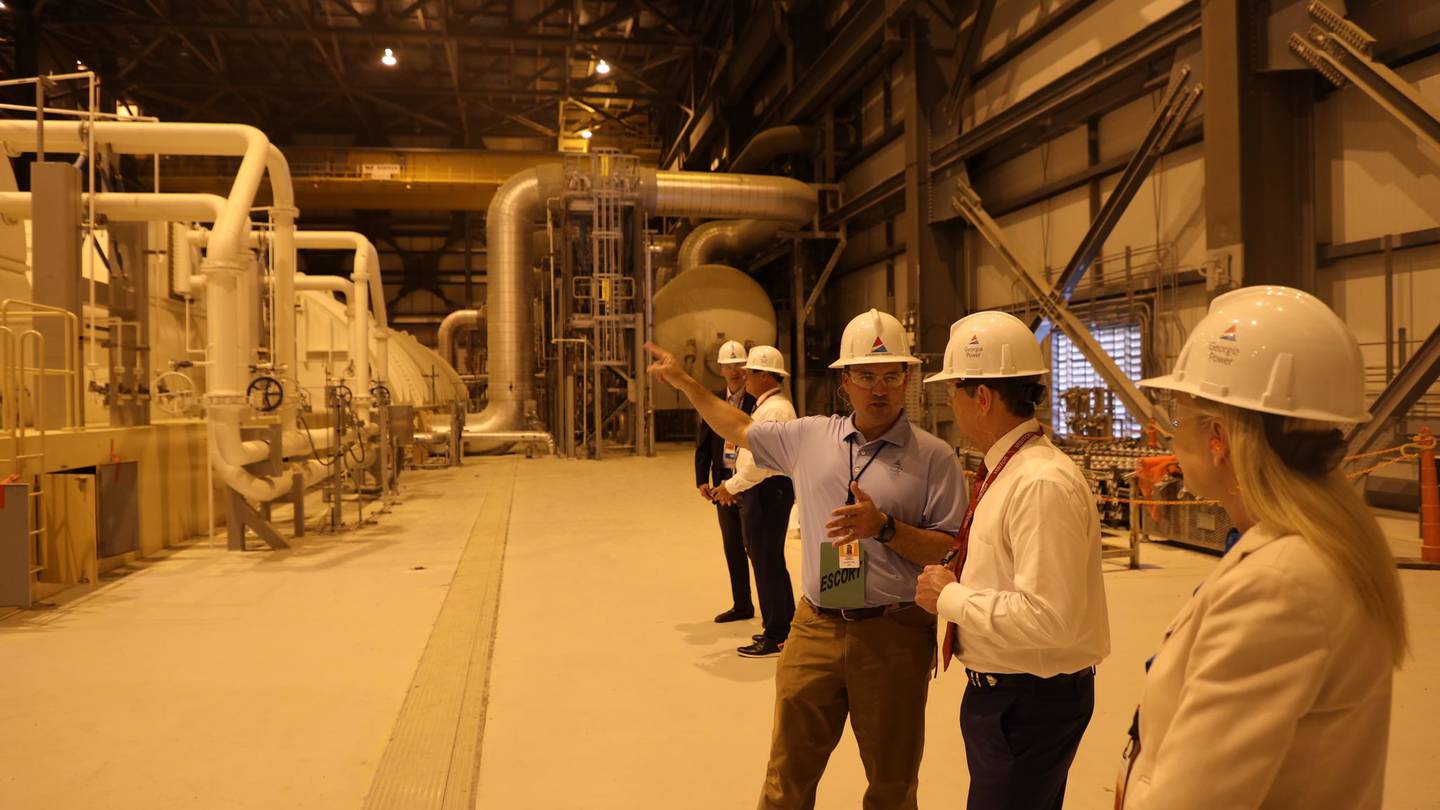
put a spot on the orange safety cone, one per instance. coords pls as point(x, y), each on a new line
point(1429, 500)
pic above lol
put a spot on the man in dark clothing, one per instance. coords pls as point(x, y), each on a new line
point(714, 464)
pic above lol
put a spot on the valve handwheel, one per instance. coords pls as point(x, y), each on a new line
point(380, 394)
point(265, 394)
point(174, 393)
point(343, 395)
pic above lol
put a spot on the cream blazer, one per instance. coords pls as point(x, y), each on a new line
point(1271, 689)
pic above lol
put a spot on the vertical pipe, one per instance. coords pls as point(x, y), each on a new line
point(1389, 308)
point(797, 308)
point(469, 280)
point(282, 314)
point(40, 119)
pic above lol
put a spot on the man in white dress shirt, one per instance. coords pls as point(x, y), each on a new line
point(1027, 615)
point(765, 498)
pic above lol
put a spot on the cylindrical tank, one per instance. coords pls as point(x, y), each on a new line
point(703, 308)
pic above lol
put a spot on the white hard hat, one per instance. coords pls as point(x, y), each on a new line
point(990, 345)
point(767, 358)
point(874, 337)
point(732, 352)
point(1275, 350)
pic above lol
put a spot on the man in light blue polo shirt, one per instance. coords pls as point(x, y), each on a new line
point(879, 499)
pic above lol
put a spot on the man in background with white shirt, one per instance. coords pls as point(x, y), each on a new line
point(714, 463)
point(1027, 615)
point(765, 498)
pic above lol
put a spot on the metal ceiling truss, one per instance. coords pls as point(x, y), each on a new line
point(476, 69)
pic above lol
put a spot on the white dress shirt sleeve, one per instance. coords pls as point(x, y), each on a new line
point(748, 472)
point(1256, 667)
point(1049, 533)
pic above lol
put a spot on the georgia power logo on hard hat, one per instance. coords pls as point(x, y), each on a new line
point(879, 347)
point(1222, 349)
point(973, 348)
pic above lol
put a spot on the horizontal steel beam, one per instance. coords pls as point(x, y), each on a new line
point(461, 36)
point(438, 91)
point(1116, 65)
point(1329, 254)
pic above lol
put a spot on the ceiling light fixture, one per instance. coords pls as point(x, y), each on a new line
point(602, 67)
point(586, 134)
point(389, 60)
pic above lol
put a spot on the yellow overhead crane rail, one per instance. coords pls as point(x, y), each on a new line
point(389, 179)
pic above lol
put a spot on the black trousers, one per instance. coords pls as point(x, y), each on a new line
point(732, 534)
point(765, 513)
point(1020, 741)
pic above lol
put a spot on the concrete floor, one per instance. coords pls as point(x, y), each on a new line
point(274, 679)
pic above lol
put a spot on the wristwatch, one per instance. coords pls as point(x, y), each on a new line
point(887, 532)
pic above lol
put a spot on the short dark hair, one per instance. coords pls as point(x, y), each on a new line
point(1020, 394)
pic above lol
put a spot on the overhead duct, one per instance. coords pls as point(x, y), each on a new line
point(769, 144)
point(520, 201)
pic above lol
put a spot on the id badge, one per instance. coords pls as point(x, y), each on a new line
point(732, 452)
point(850, 555)
point(841, 585)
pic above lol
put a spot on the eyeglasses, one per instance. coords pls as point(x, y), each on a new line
point(1172, 407)
point(868, 380)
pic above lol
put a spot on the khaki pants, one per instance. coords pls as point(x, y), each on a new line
point(877, 671)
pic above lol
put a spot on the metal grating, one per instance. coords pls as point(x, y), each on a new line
point(1124, 343)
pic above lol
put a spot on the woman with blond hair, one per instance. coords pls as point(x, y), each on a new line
point(1271, 688)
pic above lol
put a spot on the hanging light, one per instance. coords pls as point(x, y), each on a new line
point(389, 60)
point(602, 67)
point(586, 134)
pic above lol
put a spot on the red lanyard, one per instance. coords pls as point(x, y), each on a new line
point(964, 534)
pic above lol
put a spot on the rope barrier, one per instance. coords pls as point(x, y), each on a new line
point(1407, 452)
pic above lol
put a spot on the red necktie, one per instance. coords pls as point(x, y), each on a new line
point(962, 541)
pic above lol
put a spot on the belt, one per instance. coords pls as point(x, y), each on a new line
point(989, 680)
point(857, 614)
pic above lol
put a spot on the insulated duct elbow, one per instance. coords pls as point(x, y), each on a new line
point(762, 149)
point(461, 320)
point(713, 240)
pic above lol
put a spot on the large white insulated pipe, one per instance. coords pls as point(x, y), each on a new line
point(183, 208)
point(511, 218)
point(367, 290)
point(461, 320)
point(223, 266)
